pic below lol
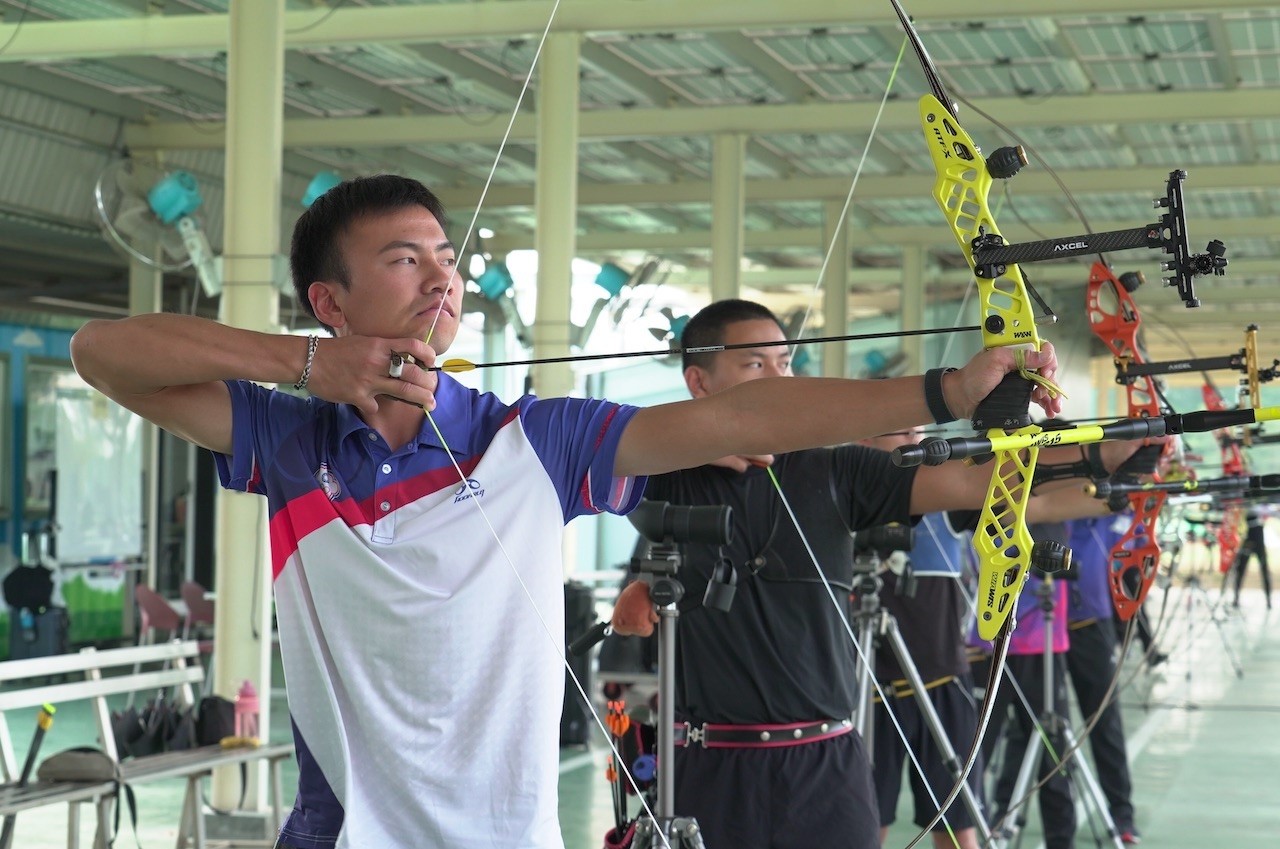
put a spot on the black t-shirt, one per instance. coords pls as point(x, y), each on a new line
point(932, 626)
point(781, 653)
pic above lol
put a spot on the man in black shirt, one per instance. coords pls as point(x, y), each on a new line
point(929, 608)
point(1255, 545)
point(768, 687)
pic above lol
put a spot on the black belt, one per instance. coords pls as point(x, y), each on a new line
point(724, 736)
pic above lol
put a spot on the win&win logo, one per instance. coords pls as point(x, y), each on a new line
point(471, 489)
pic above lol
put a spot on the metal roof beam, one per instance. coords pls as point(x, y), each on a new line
point(615, 66)
point(177, 35)
point(390, 131)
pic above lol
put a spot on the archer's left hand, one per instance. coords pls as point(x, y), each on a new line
point(965, 388)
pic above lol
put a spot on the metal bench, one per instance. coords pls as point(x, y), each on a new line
point(181, 669)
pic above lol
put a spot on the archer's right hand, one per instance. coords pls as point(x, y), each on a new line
point(634, 613)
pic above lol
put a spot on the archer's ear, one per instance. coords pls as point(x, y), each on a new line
point(695, 377)
point(327, 307)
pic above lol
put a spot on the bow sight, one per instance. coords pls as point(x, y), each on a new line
point(1245, 360)
point(992, 255)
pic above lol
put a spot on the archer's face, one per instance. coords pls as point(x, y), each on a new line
point(729, 368)
point(402, 272)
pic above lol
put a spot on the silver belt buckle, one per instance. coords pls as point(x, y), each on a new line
point(695, 735)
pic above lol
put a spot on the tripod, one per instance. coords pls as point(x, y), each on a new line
point(665, 526)
point(1053, 724)
point(1195, 592)
point(874, 624)
point(660, 569)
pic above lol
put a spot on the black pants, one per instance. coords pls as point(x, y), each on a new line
point(958, 715)
point(1254, 545)
point(791, 797)
point(1057, 809)
point(1091, 662)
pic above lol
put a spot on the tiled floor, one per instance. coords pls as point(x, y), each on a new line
point(1203, 741)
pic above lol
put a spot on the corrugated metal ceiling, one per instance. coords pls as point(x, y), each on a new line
point(1066, 60)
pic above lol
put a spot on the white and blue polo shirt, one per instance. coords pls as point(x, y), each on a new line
point(424, 690)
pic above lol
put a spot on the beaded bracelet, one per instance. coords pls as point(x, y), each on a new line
point(312, 343)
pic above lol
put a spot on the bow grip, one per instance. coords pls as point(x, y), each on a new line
point(1008, 405)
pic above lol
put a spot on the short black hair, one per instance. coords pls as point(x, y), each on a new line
point(315, 252)
point(707, 328)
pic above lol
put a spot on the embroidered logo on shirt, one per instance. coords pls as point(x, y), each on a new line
point(328, 482)
point(470, 489)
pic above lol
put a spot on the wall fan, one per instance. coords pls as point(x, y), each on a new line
point(149, 213)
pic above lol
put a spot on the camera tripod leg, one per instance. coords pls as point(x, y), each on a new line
point(934, 723)
point(1013, 822)
point(864, 713)
point(1092, 789)
point(680, 832)
point(1078, 772)
point(1203, 595)
point(1055, 725)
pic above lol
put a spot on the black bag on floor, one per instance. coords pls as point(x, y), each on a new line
point(40, 632)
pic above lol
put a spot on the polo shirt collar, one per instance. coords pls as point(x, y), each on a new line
point(452, 414)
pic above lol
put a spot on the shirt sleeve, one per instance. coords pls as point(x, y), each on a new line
point(260, 418)
point(878, 492)
point(577, 441)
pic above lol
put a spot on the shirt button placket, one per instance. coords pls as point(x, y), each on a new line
point(384, 523)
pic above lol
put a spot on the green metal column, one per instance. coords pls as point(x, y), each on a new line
point(556, 207)
point(913, 306)
point(835, 289)
point(728, 199)
point(255, 104)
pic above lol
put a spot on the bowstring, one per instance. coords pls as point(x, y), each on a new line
point(842, 218)
point(841, 222)
point(453, 275)
point(1107, 697)
point(1007, 674)
point(867, 663)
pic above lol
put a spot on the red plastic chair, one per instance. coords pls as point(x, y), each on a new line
point(156, 614)
point(200, 611)
point(199, 608)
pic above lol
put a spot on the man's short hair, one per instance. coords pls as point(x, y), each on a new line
point(315, 252)
point(707, 328)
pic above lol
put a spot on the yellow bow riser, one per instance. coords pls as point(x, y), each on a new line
point(1002, 541)
point(961, 189)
